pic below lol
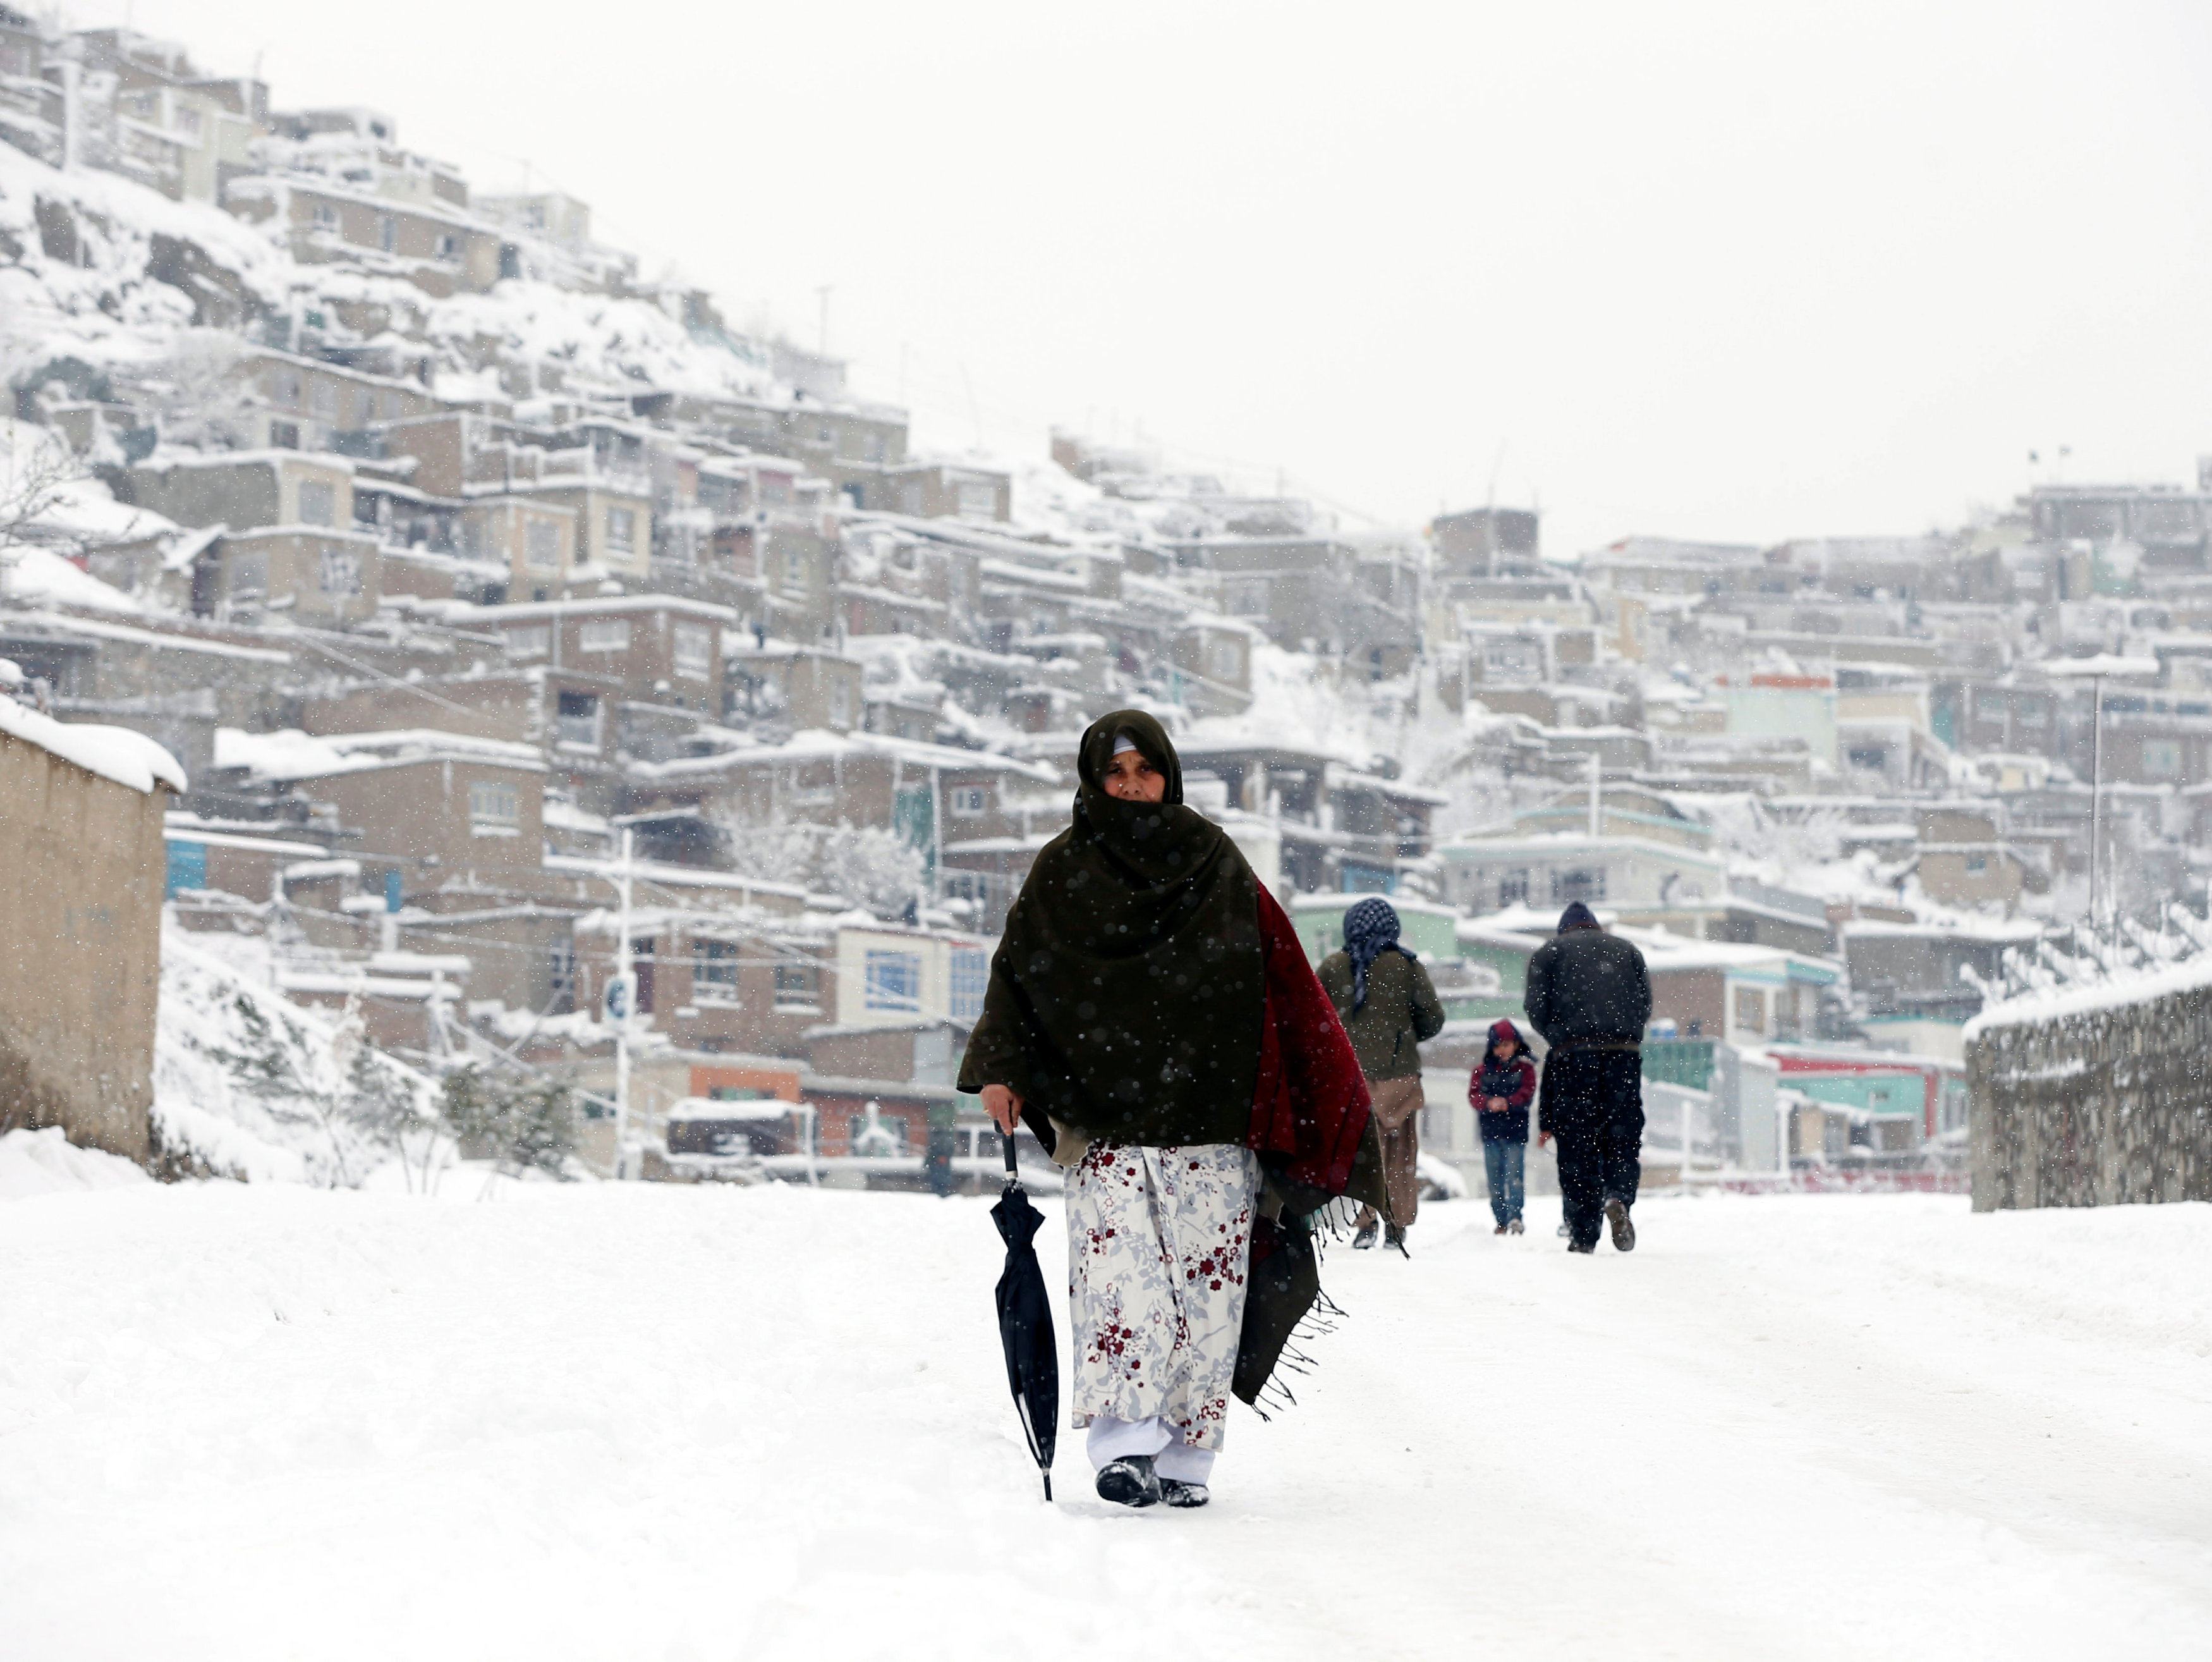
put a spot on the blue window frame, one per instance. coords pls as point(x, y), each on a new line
point(894, 981)
point(971, 973)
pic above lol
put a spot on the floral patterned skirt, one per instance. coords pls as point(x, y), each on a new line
point(1158, 1242)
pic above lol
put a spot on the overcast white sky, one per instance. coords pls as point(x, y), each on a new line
point(1708, 270)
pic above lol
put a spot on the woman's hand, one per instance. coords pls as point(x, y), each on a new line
point(1497, 1104)
point(1003, 1107)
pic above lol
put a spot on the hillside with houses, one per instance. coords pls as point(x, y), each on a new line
point(525, 630)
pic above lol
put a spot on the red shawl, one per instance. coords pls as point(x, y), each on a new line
point(1312, 1104)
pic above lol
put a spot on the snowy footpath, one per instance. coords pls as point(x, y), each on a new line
point(661, 1423)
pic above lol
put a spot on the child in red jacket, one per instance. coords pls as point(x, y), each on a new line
point(1501, 1091)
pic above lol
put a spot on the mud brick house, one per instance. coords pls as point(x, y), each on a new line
point(245, 490)
point(563, 713)
point(801, 687)
point(662, 649)
point(315, 575)
point(931, 794)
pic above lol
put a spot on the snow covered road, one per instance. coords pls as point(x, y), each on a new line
point(650, 1422)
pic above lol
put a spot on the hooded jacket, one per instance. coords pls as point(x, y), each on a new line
point(1400, 1012)
point(1586, 986)
point(1515, 1080)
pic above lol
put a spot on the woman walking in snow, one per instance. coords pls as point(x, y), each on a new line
point(1389, 1006)
point(1500, 1091)
point(1152, 1018)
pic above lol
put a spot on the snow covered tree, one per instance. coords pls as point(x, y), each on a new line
point(199, 396)
point(866, 867)
point(336, 1085)
point(523, 1124)
point(863, 866)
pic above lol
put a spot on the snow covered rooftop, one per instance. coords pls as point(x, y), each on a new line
point(117, 753)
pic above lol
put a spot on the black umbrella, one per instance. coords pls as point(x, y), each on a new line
point(1025, 1322)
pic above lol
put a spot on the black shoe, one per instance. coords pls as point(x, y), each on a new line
point(1129, 1482)
point(1578, 1246)
point(1183, 1495)
point(1624, 1233)
point(1365, 1237)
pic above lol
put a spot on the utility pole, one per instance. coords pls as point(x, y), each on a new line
point(626, 981)
point(2095, 671)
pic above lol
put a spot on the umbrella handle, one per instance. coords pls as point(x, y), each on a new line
point(1013, 1176)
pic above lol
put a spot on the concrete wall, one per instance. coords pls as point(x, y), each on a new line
point(80, 950)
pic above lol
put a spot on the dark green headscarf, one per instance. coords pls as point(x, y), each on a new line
point(1126, 994)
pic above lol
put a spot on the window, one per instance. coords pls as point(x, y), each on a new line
point(979, 502)
point(604, 637)
point(1513, 889)
point(326, 217)
point(317, 503)
point(621, 530)
point(1874, 759)
point(968, 800)
point(824, 437)
point(541, 545)
point(1583, 883)
point(893, 981)
point(493, 806)
point(283, 436)
point(528, 642)
point(387, 233)
point(797, 985)
point(694, 650)
point(1750, 1010)
point(1989, 705)
point(1977, 865)
point(576, 720)
point(449, 248)
point(717, 967)
point(2034, 710)
point(341, 573)
point(2161, 758)
point(794, 571)
point(249, 577)
point(971, 974)
point(874, 449)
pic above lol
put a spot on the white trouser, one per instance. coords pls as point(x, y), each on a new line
point(1112, 1439)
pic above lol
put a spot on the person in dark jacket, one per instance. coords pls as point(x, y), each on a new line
point(1388, 1006)
point(1150, 1018)
point(1500, 1091)
point(1590, 996)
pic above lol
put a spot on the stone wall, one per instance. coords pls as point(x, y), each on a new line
point(2094, 1107)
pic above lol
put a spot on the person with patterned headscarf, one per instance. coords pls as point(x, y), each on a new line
point(1388, 1006)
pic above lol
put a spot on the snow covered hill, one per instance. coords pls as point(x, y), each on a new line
point(633, 1421)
